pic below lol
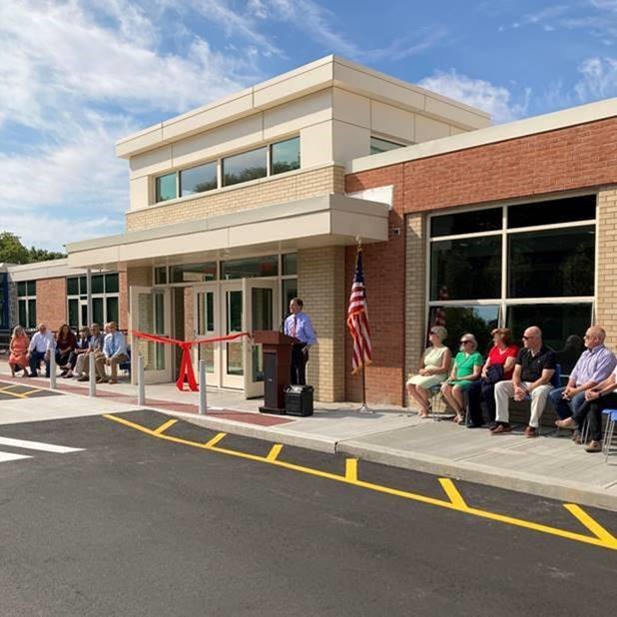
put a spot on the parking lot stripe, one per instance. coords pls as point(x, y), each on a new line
point(274, 452)
point(589, 522)
point(36, 445)
point(351, 469)
point(452, 492)
point(161, 429)
point(607, 540)
point(215, 440)
point(9, 456)
point(15, 394)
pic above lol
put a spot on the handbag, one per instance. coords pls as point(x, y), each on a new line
point(494, 373)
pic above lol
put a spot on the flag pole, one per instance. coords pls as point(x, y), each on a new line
point(364, 408)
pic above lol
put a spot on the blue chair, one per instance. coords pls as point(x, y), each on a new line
point(126, 366)
point(609, 433)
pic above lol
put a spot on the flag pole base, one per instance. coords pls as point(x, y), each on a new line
point(365, 409)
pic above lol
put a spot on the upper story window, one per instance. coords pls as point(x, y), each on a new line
point(246, 166)
point(379, 145)
point(166, 187)
point(198, 179)
point(26, 304)
point(269, 160)
point(285, 156)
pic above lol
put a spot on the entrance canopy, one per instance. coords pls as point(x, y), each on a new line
point(318, 221)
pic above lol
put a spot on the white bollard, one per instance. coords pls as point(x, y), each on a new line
point(141, 386)
point(91, 375)
point(52, 369)
point(203, 407)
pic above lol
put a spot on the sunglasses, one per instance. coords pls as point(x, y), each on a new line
point(465, 342)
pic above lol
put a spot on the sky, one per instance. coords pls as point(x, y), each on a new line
point(77, 75)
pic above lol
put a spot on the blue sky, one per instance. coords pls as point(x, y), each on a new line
point(76, 76)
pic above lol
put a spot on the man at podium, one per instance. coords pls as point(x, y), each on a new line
point(298, 325)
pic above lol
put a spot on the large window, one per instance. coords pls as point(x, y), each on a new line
point(26, 304)
point(246, 166)
point(515, 266)
point(105, 290)
point(166, 187)
point(285, 156)
point(198, 179)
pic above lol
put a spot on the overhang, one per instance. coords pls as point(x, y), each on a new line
point(318, 221)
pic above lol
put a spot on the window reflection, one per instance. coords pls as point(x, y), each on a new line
point(478, 320)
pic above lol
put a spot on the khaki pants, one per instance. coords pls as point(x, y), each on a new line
point(113, 362)
point(504, 391)
point(98, 368)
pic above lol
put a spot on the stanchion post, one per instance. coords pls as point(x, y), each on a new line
point(203, 407)
point(141, 386)
point(52, 369)
point(91, 375)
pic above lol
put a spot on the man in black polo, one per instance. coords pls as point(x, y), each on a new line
point(533, 371)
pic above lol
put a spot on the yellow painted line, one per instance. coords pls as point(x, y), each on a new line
point(452, 492)
point(606, 541)
point(15, 394)
point(590, 523)
point(351, 470)
point(274, 452)
point(161, 429)
point(27, 393)
point(214, 440)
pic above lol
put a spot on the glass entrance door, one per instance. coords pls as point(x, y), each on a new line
point(207, 325)
point(233, 322)
point(150, 313)
point(262, 313)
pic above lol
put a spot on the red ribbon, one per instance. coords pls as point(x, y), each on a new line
point(186, 366)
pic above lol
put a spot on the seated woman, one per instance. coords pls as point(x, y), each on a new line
point(65, 345)
point(18, 348)
point(499, 365)
point(467, 367)
point(434, 367)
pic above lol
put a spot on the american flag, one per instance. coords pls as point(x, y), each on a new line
point(357, 320)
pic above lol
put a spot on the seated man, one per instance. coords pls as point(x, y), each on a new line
point(95, 346)
point(533, 370)
point(601, 396)
point(41, 345)
point(114, 351)
point(595, 364)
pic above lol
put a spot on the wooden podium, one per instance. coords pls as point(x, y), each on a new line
point(276, 348)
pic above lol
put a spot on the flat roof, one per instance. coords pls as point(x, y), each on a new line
point(583, 114)
point(323, 73)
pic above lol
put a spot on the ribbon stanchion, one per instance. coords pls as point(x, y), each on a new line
point(186, 366)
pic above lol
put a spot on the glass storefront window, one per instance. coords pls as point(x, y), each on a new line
point(72, 286)
point(555, 211)
point(193, 273)
point(468, 268)
point(160, 275)
point(198, 179)
point(166, 187)
point(244, 167)
point(475, 221)
point(21, 289)
point(290, 263)
point(97, 283)
point(285, 156)
point(563, 327)
point(250, 267)
point(558, 262)
point(112, 309)
point(112, 283)
point(289, 291)
point(458, 320)
point(74, 314)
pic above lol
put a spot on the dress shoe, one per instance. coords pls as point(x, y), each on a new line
point(530, 431)
point(500, 429)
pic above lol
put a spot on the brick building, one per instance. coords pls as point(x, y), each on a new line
point(240, 205)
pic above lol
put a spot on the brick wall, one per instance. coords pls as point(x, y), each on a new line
point(321, 285)
point(384, 268)
point(267, 192)
point(51, 304)
point(580, 157)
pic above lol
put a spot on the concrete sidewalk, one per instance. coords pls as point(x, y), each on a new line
point(550, 465)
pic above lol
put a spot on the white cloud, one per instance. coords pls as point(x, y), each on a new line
point(496, 100)
point(599, 79)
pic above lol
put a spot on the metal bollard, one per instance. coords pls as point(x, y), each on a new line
point(52, 369)
point(203, 407)
point(141, 386)
point(92, 375)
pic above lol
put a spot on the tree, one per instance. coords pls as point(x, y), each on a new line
point(13, 251)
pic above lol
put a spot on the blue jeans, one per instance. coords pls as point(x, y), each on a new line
point(566, 409)
point(35, 361)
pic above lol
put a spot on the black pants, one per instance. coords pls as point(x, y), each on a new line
point(35, 361)
point(593, 409)
point(298, 364)
point(477, 391)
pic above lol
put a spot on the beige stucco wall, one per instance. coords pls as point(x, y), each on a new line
point(292, 186)
point(606, 315)
point(321, 281)
point(415, 285)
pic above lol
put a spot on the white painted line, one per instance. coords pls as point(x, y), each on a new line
point(8, 456)
point(36, 445)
